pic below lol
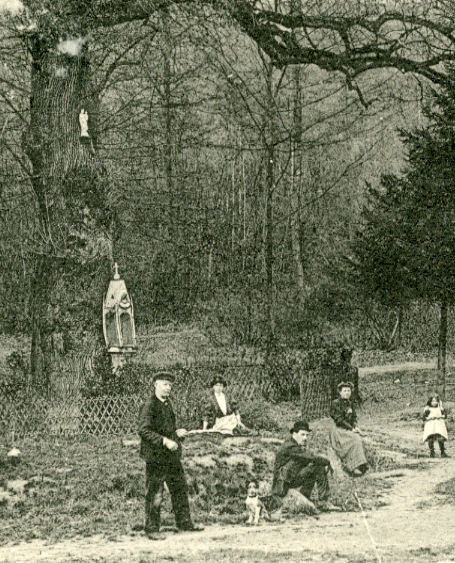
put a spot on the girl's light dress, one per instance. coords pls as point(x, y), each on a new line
point(434, 423)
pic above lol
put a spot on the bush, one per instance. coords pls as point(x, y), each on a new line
point(13, 381)
point(262, 415)
point(127, 380)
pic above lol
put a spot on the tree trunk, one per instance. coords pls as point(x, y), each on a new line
point(269, 187)
point(442, 348)
point(296, 142)
point(70, 188)
point(169, 145)
point(294, 224)
point(400, 324)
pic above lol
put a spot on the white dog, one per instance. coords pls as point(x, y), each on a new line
point(254, 504)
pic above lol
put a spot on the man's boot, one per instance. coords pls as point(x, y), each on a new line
point(155, 536)
point(327, 506)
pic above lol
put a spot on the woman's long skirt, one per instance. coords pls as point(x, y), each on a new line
point(348, 446)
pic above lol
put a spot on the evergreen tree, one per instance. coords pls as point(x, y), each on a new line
point(406, 248)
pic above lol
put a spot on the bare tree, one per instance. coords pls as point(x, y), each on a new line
point(70, 182)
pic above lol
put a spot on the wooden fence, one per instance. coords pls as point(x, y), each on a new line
point(25, 413)
point(117, 415)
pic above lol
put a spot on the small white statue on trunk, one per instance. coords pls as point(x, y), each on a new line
point(83, 121)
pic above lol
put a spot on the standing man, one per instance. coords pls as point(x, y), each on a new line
point(297, 468)
point(162, 450)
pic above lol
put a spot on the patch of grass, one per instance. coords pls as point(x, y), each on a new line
point(447, 490)
point(239, 556)
point(393, 393)
point(76, 487)
point(273, 418)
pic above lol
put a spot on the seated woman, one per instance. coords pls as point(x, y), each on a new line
point(345, 434)
point(220, 414)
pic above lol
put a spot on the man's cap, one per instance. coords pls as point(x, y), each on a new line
point(163, 376)
point(345, 384)
point(300, 425)
point(218, 379)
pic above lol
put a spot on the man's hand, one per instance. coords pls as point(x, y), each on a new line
point(181, 432)
point(328, 466)
point(170, 444)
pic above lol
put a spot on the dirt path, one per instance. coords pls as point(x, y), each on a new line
point(409, 527)
point(391, 368)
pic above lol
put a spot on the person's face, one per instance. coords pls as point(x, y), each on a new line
point(218, 388)
point(301, 437)
point(162, 388)
point(345, 392)
point(252, 489)
point(434, 402)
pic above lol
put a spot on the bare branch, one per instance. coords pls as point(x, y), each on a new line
point(414, 40)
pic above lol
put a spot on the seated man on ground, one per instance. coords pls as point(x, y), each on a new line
point(297, 468)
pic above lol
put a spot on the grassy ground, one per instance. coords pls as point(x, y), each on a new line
point(187, 345)
point(258, 556)
point(81, 486)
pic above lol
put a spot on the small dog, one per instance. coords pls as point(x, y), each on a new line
point(254, 504)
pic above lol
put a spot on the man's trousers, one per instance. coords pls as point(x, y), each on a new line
point(174, 477)
point(294, 476)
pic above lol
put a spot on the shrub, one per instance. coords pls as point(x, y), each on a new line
point(13, 381)
point(127, 380)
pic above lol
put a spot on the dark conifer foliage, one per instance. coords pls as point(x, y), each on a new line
point(406, 247)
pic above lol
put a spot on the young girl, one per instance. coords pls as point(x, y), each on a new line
point(435, 429)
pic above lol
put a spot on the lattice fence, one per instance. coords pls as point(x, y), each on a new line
point(117, 414)
point(99, 415)
point(316, 394)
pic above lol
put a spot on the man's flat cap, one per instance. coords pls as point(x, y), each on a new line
point(300, 425)
point(163, 376)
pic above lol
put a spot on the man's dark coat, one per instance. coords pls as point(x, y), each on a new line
point(157, 421)
point(289, 461)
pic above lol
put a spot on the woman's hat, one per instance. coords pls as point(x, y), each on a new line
point(218, 379)
point(163, 376)
point(345, 384)
point(300, 425)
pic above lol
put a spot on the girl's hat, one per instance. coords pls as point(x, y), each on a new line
point(218, 379)
point(345, 384)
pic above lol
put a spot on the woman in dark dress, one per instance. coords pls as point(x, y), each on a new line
point(219, 411)
point(345, 434)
